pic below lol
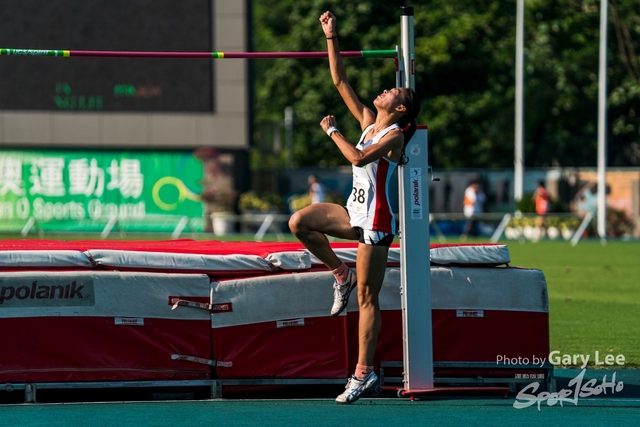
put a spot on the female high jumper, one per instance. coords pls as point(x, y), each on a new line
point(368, 217)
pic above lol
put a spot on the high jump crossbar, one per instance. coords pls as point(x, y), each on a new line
point(390, 53)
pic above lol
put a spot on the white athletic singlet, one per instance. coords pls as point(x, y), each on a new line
point(368, 204)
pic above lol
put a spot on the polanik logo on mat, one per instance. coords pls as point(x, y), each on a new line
point(39, 293)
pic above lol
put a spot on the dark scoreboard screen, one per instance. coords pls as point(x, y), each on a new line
point(106, 84)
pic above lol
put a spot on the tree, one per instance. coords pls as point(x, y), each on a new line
point(562, 83)
point(305, 84)
point(465, 75)
point(465, 62)
point(624, 98)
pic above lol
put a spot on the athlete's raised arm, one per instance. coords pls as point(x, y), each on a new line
point(362, 113)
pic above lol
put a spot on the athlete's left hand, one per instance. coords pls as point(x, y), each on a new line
point(327, 122)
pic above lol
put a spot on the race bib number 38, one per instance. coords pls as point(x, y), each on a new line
point(358, 200)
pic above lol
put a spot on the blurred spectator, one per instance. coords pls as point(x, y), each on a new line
point(473, 204)
point(316, 189)
point(541, 200)
point(587, 200)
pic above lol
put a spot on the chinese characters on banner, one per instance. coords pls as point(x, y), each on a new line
point(65, 186)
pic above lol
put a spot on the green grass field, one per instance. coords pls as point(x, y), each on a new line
point(594, 295)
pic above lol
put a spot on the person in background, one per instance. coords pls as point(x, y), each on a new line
point(541, 200)
point(316, 189)
point(473, 204)
point(587, 200)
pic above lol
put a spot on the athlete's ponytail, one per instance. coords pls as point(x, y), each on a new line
point(407, 122)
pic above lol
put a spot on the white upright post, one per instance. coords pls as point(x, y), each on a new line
point(288, 133)
point(602, 125)
point(518, 161)
point(415, 271)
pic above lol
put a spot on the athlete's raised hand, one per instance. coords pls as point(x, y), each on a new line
point(328, 21)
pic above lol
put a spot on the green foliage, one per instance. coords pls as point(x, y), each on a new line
point(306, 85)
point(562, 82)
point(527, 204)
point(618, 223)
point(465, 75)
point(559, 222)
point(260, 202)
point(300, 201)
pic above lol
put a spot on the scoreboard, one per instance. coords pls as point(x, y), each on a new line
point(106, 84)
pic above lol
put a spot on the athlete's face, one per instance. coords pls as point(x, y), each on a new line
point(390, 100)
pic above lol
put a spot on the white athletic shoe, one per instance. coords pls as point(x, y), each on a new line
point(356, 388)
point(341, 293)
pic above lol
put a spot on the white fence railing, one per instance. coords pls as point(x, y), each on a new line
point(494, 226)
point(519, 226)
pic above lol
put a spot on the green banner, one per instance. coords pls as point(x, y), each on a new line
point(81, 190)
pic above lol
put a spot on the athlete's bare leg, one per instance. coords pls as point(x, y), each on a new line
point(371, 264)
point(312, 224)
